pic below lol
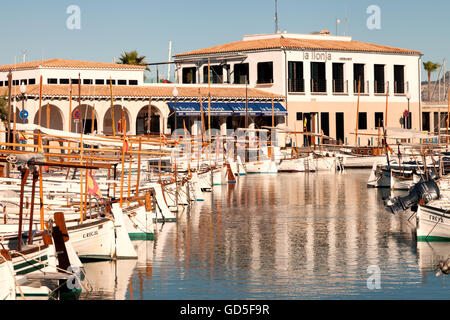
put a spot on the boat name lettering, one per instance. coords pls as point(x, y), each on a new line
point(437, 219)
point(90, 234)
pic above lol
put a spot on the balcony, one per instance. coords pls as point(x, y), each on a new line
point(364, 90)
point(401, 88)
point(319, 86)
point(379, 87)
point(340, 86)
point(296, 85)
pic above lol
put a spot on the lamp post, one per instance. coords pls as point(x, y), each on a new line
point(23, 90)
point(175, 94)
point(408, 121)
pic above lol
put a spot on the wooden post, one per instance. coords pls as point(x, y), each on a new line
point(138, 168)
point(112, 107)
point(149, 115)
point(129, 176)
point(357, 113)
point(33, 190)
point(8, 125)
point(41, 198)
point(40, 102)
point(123, 164)
point(70, 107)
point(48, 115)
point(24, 174)
point(93, 119)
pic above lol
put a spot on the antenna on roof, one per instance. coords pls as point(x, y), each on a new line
point(24, 56)
point(276, 16)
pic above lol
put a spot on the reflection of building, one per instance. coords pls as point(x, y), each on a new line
point(319, 76)
point(129, 94)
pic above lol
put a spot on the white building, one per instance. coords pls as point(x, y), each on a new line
point(61, 103)
point(318, 74)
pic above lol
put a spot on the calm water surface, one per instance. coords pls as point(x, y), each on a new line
point(285, 236)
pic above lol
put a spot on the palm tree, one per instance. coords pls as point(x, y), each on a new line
point(430, 67)
point(133, 58)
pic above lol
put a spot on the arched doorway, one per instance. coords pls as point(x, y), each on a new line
point(51, 117)
point(84, 121)
point(107, 120)
point(142, 121)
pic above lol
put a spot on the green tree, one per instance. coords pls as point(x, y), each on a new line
point(430, 67)
point(133, 58)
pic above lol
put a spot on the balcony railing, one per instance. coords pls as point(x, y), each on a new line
point(340, 86)
point(296, 85)
point(319, 86)
point(379, 87)
point(364, 87)
point(401, 88)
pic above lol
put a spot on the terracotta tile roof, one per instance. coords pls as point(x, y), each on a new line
point(291, 43)
point(143, 91)
point(65, 63)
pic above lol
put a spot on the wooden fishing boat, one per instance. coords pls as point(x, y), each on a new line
point(433, 221)
point(7, 280)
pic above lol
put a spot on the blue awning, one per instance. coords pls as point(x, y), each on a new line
point(228, 109)
point(258, 109)
point(193, 108)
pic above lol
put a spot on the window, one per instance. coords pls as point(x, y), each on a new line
point(74, 81)
point(99, 81)
point(296, 82)
point(31, 81)
point(241, 74)
point(52, 81)
point(379, 116)
point(299, 116)
point(15, 82)
point(265, 72)
point(318, 77)
point(216, 74)
point(325, 123)
point(399, 79)
point(6, 83)
point(338, 77)
point(24, 81)
point(358, 76)
point(189, 75)
point(408, 121)
point(122, 82)
point(87, 81)
point(133, 82)
point(379, 78)
point(1, 83)
point(108, 81)
point(426, 121)
point(362, 121)
point(64, 81)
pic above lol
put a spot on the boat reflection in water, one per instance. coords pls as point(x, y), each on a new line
point(286, 236)
point(430, 254)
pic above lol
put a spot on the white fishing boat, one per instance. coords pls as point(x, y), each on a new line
point(266, 166)
point(433, 221)
point(303, 164)
point(7, 280)
point(379, 176)
point(402, 179)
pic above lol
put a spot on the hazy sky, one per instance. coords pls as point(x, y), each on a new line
point(110, 27)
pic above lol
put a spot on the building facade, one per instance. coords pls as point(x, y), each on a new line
point(76, 96)
point(321, 77)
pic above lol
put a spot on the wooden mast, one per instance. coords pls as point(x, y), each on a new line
point(70, 107)
point(112, 107)
point(357, 113)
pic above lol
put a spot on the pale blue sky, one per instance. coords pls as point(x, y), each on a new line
point(110, 27)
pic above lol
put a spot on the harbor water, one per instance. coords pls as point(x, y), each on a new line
point(286, 236)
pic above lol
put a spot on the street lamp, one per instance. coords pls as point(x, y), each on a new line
point(23, 90)
point(175, 94)
point(408, 121)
